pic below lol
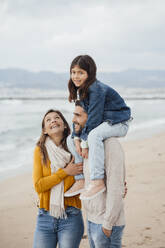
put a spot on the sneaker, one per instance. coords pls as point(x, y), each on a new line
point(92, 191)
point(76, 188)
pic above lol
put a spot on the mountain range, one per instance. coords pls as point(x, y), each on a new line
point(19, 78)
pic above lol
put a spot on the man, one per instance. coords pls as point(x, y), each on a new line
point(105, 213)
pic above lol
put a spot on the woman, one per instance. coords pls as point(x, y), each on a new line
point(59, 219)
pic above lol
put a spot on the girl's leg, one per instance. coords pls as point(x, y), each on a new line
point(45, 235)
point(71, 229)
point(78, 186)
point(72, 149)
point(96, 155)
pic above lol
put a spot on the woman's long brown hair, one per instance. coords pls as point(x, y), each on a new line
point(86, 63)
point(42, 139)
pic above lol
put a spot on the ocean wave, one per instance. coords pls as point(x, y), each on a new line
point(16, 129)
point(18, 100)
point(147, 124)
point(18, 158)
point(14, 101)
point(39, 94)
point(6, 147)
point(10, 167)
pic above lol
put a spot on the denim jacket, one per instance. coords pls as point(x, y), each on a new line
point(103, 104)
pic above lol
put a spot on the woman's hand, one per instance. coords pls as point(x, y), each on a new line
point(84, 152)
point(73, 169)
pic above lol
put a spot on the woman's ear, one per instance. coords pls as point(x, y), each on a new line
point(44, 131)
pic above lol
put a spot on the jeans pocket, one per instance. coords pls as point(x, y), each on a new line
point(117, 232)
point(103, 234)
point(72, 211)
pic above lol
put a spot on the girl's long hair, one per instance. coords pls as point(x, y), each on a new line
point(86, 63)
point(42, 139)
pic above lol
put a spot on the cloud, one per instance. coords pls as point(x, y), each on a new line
point(39, 34)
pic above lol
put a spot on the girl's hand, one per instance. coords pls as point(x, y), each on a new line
point(73, 169)
point(84, 152)
point(78, 147)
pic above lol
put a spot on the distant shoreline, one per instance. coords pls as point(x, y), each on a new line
point(63, 98)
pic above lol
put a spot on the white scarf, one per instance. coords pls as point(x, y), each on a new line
point(58, 158)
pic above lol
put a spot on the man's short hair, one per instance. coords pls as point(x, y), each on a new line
point(78, 103)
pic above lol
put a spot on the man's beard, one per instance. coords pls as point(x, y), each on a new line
point(79, 128)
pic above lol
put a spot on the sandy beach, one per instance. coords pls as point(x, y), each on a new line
point(144, 204)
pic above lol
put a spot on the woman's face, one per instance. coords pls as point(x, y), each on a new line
point(54, 125)
point(78, 76)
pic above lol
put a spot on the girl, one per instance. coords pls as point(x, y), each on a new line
point(59, 219)
point(108, 116)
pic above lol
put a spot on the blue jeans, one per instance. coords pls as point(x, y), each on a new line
point(96, 146)
point(97, 239)
point(77, 157)
point(50, 231)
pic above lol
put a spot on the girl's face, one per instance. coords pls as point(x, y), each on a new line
point(78, 76)
point(54, 125)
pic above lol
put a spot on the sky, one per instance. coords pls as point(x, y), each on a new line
point(48, 34)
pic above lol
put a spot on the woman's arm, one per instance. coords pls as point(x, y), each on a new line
point(45, 183)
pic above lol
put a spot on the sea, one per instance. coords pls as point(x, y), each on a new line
point(22, 110)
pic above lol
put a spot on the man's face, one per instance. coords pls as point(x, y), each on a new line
point(79, 118)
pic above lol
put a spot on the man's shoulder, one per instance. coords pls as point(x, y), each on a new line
point(112, 142)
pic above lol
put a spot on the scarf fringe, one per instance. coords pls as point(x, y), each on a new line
point(57, 212)
point(58, 158)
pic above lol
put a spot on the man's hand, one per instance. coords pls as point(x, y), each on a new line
point(84, 153)
point(107, 232)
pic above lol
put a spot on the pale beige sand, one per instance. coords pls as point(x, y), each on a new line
point(145, 202)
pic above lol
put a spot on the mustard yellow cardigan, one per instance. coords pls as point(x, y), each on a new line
point(44, 181)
